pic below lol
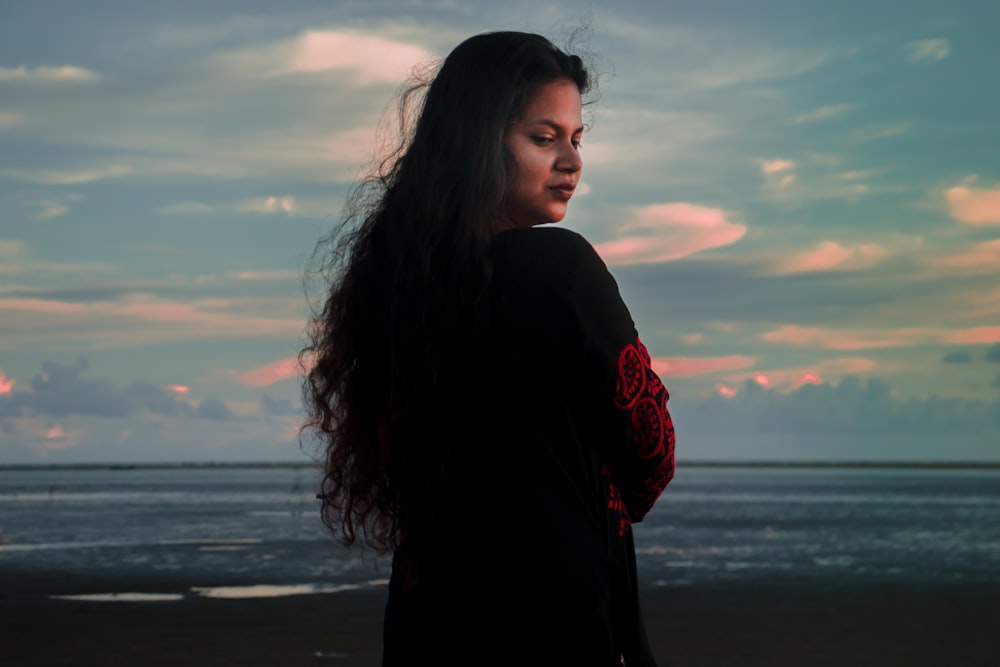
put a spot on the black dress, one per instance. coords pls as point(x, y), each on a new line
point(562, 440)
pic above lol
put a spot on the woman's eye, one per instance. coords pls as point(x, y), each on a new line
point(543, 141)
point(577, 144)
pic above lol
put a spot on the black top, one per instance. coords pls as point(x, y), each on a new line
point(563, 441)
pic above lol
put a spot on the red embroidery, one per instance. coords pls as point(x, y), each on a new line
point(640, 393)
point(648, 428)
point(631, 377)
point(616, 505)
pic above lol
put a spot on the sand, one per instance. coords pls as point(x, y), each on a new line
point(773, 623)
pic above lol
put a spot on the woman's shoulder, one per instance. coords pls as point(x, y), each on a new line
point(549, 246)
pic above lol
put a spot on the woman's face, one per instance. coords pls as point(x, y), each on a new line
point(545, 143)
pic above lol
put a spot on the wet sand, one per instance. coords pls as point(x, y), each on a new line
point(786, 623)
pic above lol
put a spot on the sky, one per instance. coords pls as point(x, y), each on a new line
point(800, 202)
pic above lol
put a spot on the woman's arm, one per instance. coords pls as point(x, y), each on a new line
point(640, 451)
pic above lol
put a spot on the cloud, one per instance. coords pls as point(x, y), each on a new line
point(269, 374)
point(57, 438)
point(368, 59)
point(789, 379)
point(692, 366)
point(195, 112)
point(63, 390)
point(6, 384)
point(974, 207)
point(885, 131)
point(213, 408)
point(286, 205)
point(18, 262)
point(778, 174)
point(51, 209)
point(711, 58)
point(832, 256)
point(957, 357)
point(858, 339)
point(140, 318)
point(928, 49)
point(265, 205)
point(663, 232)
point(851, 407)
point(142, 438)
point(45, 74)
point(60, 177)
point(279, 406)
point(972, 335)
point(993, 353)
point(824, 113)
point(982, 257)
point(725, 391)
point(832, 339)
point(776, 166)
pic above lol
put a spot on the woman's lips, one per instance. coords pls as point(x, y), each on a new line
point(563, 191)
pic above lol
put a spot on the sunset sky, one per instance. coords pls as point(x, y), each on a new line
point(800, 202)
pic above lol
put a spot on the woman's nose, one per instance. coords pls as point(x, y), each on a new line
point(569, 159)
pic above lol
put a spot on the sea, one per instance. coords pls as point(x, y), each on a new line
point(255, 530)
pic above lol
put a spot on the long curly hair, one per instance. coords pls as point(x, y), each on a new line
point(405, 275)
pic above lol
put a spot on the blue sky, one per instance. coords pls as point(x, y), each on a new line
point(800, 201)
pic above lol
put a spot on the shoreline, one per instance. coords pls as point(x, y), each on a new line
point(774, 622)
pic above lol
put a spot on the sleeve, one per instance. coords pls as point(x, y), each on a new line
point(639, 456)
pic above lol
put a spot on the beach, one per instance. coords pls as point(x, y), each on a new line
point(766, 623)
point(739, 567)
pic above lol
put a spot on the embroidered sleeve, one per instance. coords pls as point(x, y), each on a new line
point(622, 400)
point(642, 397)
point(639, 452)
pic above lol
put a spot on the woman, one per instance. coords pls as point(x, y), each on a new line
point(487, 412)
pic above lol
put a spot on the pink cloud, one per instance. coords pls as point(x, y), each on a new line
point(808, 378)
point(832, 339)
point(974, 335)
point(974, 207)
point(723, 390)
point(41, 306)
point(271, 373)
point(6, 385)
point(178, 388)
point(689, 366)
point(830, 255)
point(140, 322)
point(776, 166)
point(55, 438)
point(983, 256)
point(785, 380)
point(664, 232)
point(372, 59)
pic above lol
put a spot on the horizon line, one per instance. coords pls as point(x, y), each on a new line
point(704, 463)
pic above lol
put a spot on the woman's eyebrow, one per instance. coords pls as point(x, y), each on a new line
point(554, 125)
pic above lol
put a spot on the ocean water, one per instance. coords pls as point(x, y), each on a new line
point(259, 528)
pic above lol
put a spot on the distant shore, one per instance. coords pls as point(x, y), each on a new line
point(209, 465)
